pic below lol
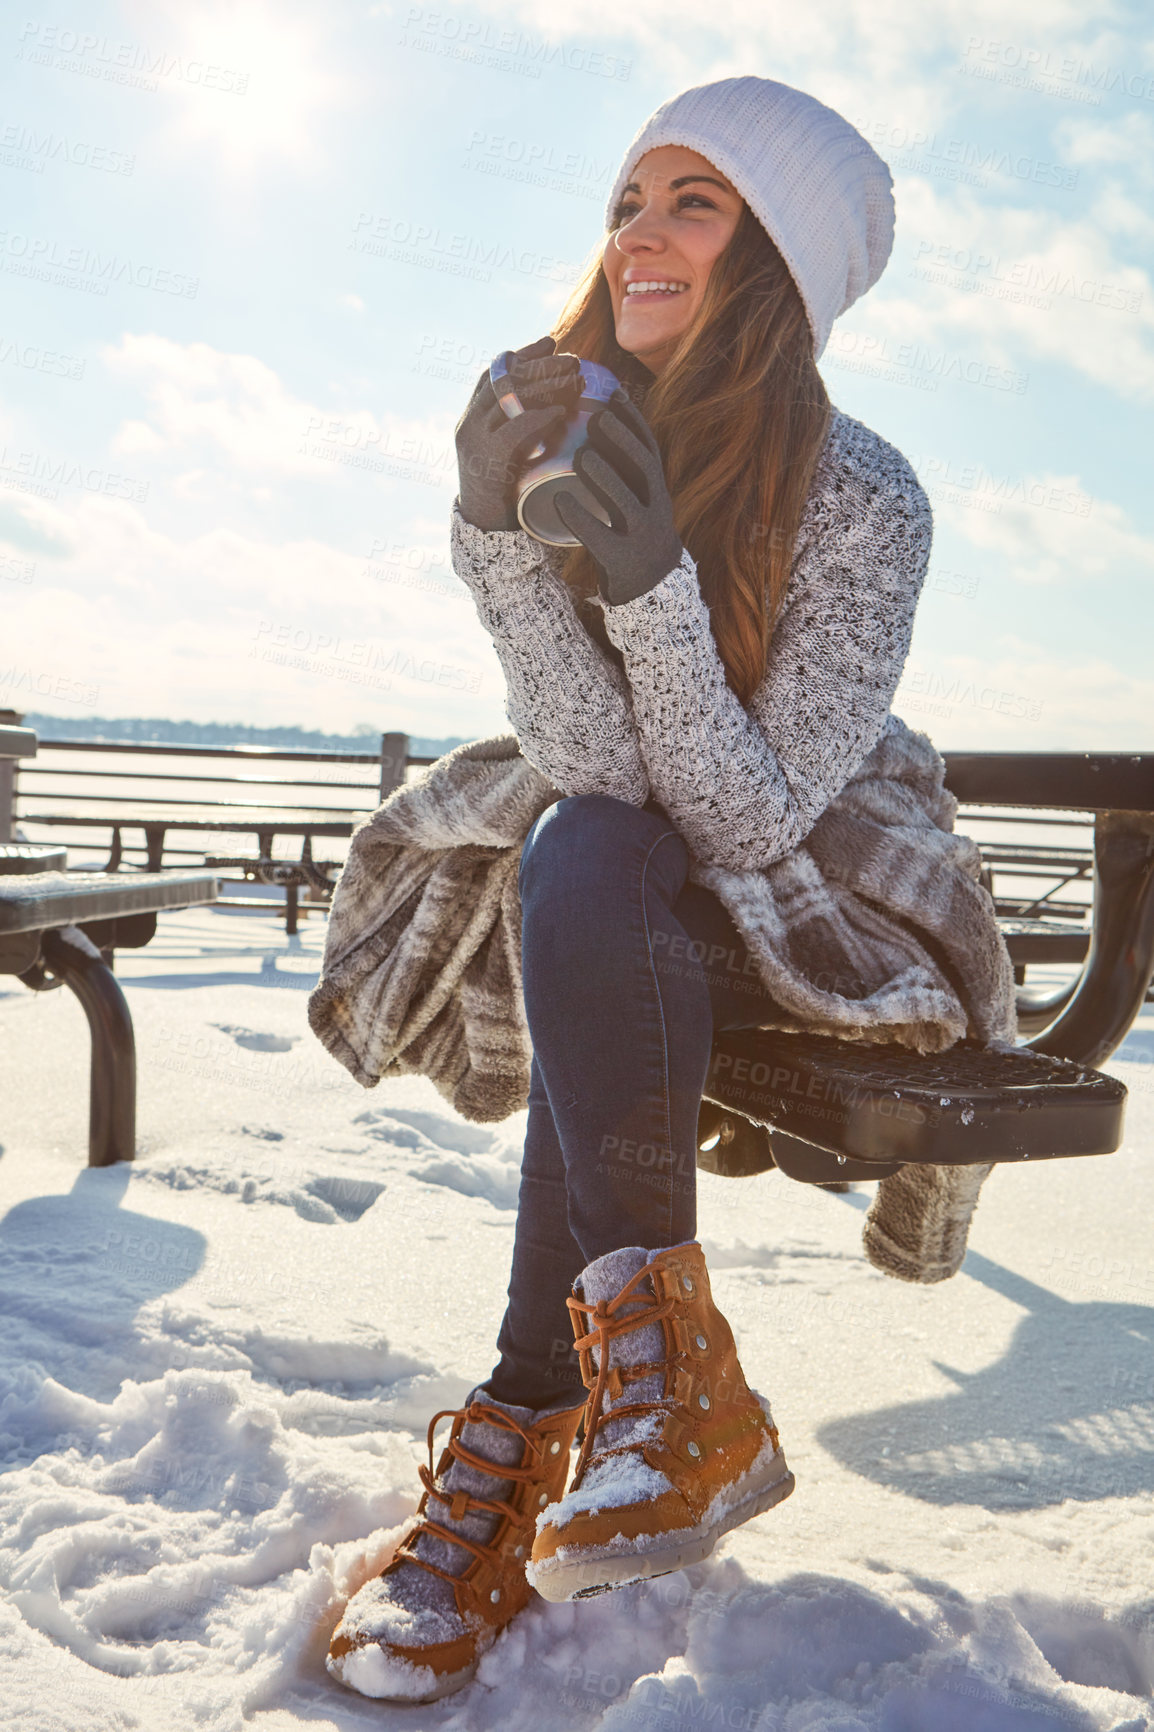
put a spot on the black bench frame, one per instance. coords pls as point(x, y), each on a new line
point(103, 912)
point(891, 1107)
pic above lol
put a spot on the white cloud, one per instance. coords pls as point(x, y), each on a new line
point(202, 400)
point(1126, 141)
point(1045, 543)
point(222, 626)
point(1023, 701)
point(835, 50)
point(1019, 283)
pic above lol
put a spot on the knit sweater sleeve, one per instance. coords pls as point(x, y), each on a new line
point(744, 787)
point(567, 703)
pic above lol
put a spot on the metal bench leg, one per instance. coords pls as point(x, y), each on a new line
point(112, 1088)
point(1113, 984)
point(1038, 1011)
point(154, 840)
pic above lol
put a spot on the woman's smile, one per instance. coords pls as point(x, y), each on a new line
point(653, 291)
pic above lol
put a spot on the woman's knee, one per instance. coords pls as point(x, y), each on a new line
point(584, 829)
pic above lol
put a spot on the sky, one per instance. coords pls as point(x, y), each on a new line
point(253, 259)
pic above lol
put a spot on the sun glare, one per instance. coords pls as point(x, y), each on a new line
point(254, 84)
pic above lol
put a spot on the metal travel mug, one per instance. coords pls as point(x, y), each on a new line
point(544, 477)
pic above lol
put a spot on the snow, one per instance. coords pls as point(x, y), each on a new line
point(217, 1364)
point(611, 1481)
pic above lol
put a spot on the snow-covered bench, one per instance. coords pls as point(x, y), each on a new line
point(60, 929)
point(826, 1110)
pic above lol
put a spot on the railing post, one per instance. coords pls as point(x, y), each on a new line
point(11, 719)
point(394, 754)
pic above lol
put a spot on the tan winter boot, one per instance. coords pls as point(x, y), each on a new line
point(417, 1631)
point(677, 1451)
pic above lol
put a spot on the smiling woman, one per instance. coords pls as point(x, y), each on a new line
point(748, 594)
point(725, 369)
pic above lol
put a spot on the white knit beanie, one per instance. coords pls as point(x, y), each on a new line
point(820, 190)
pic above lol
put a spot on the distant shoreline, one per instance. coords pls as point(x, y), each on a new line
point(160, 730)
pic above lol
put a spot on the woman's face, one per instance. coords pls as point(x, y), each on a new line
point(674, 218)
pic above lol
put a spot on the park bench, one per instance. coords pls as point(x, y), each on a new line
point(61, 928)
point(260, 868)
point(127, 810)
point(826, 1111)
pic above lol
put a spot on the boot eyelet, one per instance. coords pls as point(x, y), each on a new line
point(518, 1551)
point(554, 1447)
point(543, 1500)
point(701, 1342)
point(495, 1595)
point(687, 1284)
point(703, 1402)
point(694, 1449)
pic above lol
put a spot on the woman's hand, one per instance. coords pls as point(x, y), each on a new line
point(492, 450)
point(621, 465)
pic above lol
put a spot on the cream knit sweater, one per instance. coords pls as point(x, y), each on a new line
point(742, 785)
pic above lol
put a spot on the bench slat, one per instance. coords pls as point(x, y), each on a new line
point(236, 823)
point(874, 1102)
point(1059, 781)
point(41, 900)
point(17, 742)
point(21, 858)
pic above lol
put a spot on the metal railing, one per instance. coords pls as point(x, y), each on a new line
point(136, 804)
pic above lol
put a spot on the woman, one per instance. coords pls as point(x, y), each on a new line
point(680, 704)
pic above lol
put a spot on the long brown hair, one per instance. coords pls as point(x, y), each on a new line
point(740, 414)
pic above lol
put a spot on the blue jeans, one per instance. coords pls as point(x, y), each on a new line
point(628, 969)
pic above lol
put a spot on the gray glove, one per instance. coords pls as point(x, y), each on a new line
point(492, 449)
point(620, 463)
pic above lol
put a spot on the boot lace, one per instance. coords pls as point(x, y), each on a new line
point(462, 1503)
point(607, 1324)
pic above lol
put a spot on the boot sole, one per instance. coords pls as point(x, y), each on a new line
point(600, 1572)
point(445, 1686)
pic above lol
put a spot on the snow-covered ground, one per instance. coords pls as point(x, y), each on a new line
point(217, 1365)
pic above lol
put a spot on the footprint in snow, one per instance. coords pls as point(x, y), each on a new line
point(398, 1125)
point(257, 1042)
